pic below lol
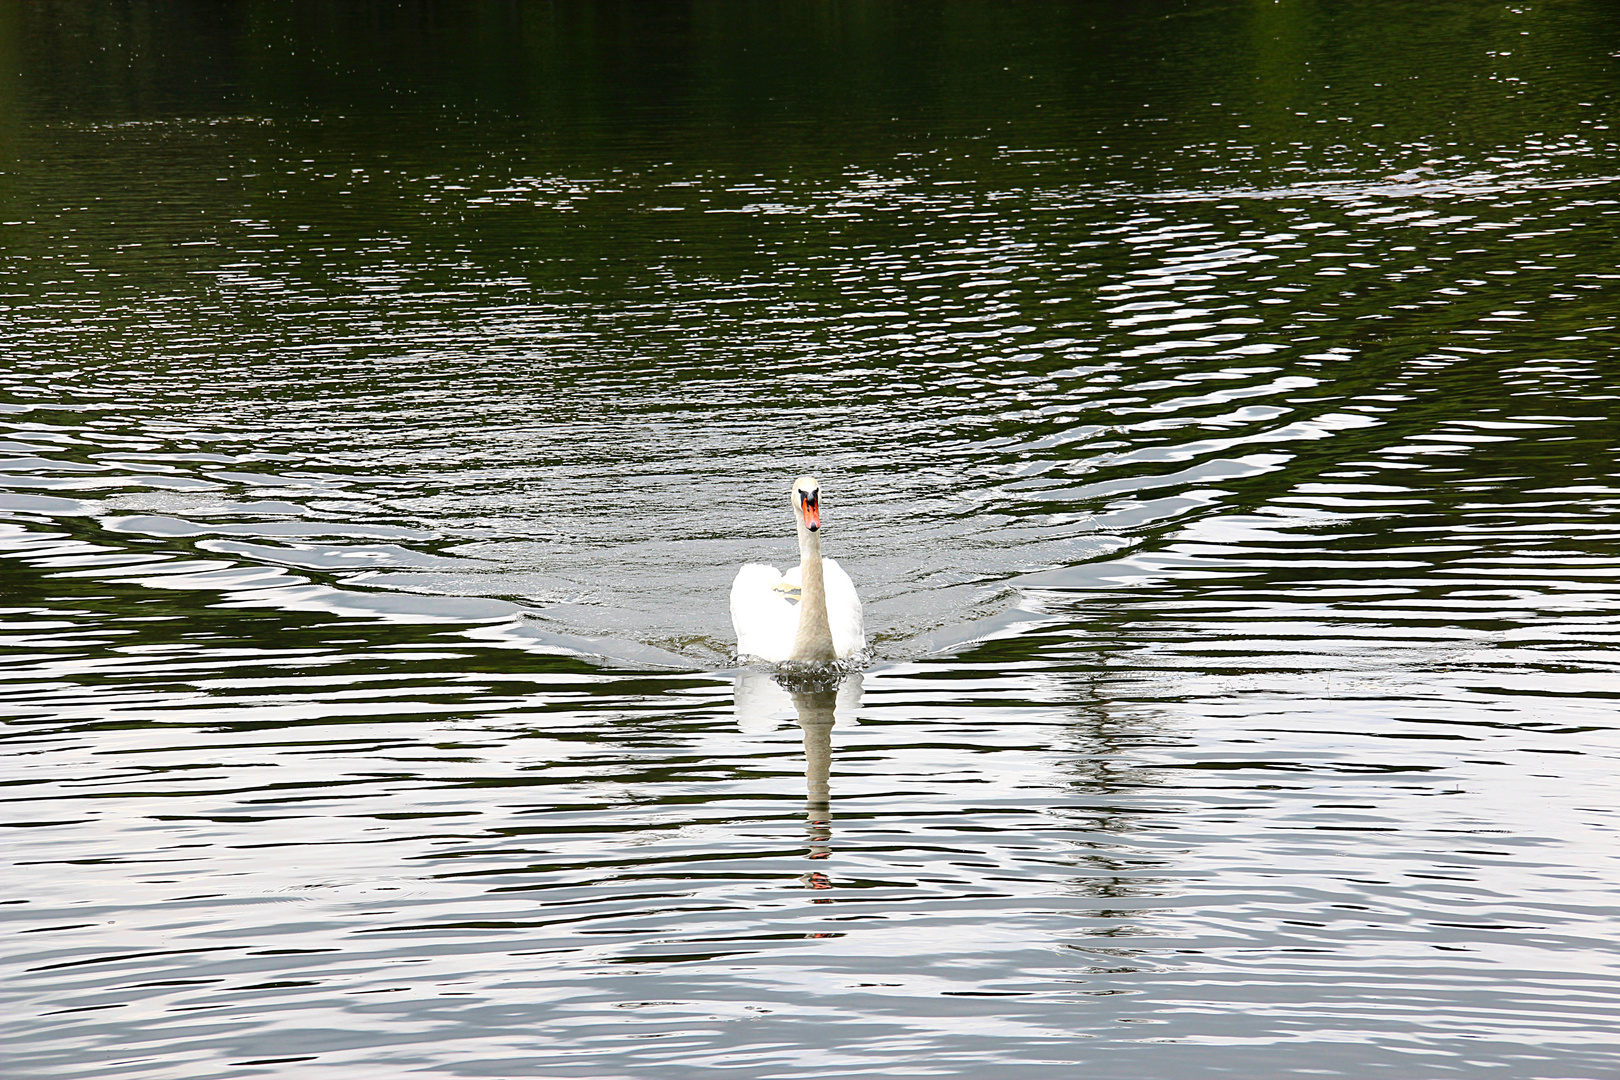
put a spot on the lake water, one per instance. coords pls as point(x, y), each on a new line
point(1217, 407)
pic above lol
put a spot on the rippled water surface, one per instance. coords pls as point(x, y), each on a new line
point(1216, 406)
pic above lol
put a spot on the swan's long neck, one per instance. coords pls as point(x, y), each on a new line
point(813, 643)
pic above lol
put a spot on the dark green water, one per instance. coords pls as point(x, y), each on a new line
point(1217, 408)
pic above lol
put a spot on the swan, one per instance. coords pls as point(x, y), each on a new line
point(810, 615)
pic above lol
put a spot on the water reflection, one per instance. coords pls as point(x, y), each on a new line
point(764, 700)
point(816, 706)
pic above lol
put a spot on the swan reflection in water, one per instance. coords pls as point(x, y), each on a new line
point(766, 699)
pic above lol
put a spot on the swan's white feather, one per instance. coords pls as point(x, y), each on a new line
point(765, 611)
point(843, 610)
point(763, 616)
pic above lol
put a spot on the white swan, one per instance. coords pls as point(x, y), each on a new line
point(811, 614)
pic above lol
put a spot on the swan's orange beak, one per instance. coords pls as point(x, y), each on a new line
point(812, 510)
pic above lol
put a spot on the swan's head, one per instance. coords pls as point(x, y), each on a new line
point(807, 502)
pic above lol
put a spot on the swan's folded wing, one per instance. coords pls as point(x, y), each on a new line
point(843, 611)
point(764, 613)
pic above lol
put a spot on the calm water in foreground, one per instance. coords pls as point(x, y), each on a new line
point(1217, 406)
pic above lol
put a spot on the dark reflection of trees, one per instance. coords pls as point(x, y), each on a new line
point(1117, 801)
point(704, 76)
point(1114, 799)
